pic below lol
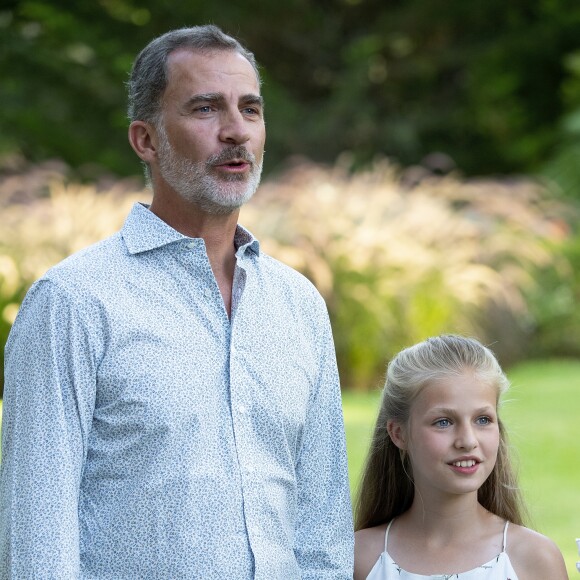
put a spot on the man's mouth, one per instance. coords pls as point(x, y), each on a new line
point(232, 158)
point(235, 163)
point(234, 167)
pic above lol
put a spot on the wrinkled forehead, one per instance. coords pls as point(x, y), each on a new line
point(205, 63)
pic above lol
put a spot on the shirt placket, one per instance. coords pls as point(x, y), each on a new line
point(243, 417)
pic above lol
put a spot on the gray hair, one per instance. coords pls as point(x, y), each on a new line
point(148, 78)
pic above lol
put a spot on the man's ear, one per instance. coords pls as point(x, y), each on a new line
point(143, 141)
point(397, 433)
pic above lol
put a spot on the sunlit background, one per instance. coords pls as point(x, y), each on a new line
point(422, 169)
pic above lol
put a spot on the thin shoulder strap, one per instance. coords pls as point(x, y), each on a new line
point(387, 532)
point(505, 536)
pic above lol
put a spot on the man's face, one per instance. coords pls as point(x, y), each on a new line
point(211, 134)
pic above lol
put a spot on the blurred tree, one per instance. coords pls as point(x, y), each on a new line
point(487, 82)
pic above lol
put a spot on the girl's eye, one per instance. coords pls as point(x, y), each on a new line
point(483, 420)
point(442, 423)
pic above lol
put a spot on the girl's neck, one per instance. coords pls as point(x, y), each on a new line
point(446, 517)
point(444, 526)
point(456, 536)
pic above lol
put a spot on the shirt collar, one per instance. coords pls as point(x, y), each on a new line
point(144, 231)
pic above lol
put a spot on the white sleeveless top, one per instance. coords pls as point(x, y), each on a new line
point(500, 568)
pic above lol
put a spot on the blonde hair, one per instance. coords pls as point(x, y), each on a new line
point(386, 489)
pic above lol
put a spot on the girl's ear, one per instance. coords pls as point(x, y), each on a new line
point(397, 433)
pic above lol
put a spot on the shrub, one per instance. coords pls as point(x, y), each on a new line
point(397, 264)
point(396, 260)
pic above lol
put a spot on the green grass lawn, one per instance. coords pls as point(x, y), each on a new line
point(542, 414)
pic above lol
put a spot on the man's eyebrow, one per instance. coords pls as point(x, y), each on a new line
point(252, 99)
point(204, 98)
point(216, 98)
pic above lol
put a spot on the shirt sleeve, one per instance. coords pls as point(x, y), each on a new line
point(48, 402)
point(324, 533)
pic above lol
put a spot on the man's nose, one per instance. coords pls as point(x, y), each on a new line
point(234, 129)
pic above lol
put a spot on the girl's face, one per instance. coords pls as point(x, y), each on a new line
point(453, 435)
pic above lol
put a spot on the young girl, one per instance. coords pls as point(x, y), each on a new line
point(438, 497)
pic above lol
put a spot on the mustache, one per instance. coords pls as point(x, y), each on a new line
point(236, 152)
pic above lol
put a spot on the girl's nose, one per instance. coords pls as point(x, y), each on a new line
point(466, 438)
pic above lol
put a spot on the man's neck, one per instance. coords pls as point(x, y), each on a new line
point(218, 233)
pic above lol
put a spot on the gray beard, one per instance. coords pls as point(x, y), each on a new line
point(195, 181)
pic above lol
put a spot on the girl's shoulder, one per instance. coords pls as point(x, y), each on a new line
point(369, 544)
point(534, 555)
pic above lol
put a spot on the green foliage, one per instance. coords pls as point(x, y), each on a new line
point(555, 309)
point(541, 416)
point(397, 265)
point(563, 169)
point(491, 84)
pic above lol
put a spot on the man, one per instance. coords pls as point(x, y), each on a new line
point(172, 407)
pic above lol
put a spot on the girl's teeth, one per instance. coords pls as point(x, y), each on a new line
point(469, 463)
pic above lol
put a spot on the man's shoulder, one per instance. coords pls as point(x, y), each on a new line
point(80, 282)
point(286, 276)
point(281, 269)
point(88, 266)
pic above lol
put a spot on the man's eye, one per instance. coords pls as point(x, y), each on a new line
point(250, 111)
point(204, 109)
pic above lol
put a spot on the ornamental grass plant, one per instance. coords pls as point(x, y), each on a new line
point(397, 259)
point(398, 263)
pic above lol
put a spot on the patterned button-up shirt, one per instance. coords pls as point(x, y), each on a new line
point(148, 435)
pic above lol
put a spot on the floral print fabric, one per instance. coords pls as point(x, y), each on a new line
point(148, 435)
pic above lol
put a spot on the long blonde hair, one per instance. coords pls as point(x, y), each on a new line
point(386, 489)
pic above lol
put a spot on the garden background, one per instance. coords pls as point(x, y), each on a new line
point(422, 169)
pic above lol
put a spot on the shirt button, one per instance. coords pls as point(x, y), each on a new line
point(191, 245)
point(207, 293)
point(242, 409)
